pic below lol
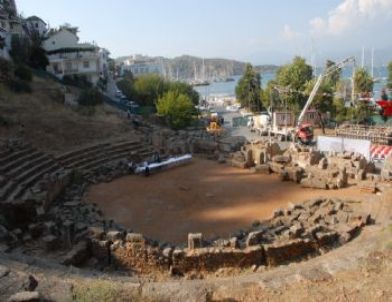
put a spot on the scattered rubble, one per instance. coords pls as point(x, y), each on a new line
point(298, 232)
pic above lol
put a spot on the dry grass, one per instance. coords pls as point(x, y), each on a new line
point(50, 125)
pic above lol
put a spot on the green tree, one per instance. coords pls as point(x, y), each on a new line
point(248, 90)
point(184, 88)
point(149, 88)
point(29, 51)
point(270, 97)
point(126, 85)
point(359, 113)
point(340, 110)
point(90, 97)
point(334, 77)
point(20, 49)
point(363, 83)
point(323, 101)
point(37, 55)
point(295, 76)
point(5, 70)
point(177, 109)
point(389, 83)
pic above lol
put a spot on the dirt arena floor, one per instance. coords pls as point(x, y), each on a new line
point(201, 197)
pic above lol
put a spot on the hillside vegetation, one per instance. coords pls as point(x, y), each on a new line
point(41, 118)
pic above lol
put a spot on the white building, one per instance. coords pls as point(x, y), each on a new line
point(10, 24)
point(68, 57)
point(139, 65)
point(104, 62)
point(36, 24)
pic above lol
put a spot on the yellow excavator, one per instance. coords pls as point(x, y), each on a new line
point(215, 124)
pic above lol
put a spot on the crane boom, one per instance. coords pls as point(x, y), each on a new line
point(320, 78)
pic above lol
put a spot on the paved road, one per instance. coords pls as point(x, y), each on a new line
point(110, 93)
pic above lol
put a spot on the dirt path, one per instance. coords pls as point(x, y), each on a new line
point(201, 197)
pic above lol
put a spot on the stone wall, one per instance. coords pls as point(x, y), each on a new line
point(386, 173)
point(296, 233)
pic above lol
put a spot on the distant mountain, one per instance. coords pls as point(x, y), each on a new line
point(190, 67)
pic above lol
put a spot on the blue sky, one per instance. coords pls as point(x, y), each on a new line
point(258, 31)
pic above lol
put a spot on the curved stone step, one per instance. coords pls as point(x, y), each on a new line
point(138, 148)
point(7, 189)
point(34, 170)
point(27, 165)
point(119, 146)
point(81, 157)
point(30, 182)
point(15, 155)
point(78, 152)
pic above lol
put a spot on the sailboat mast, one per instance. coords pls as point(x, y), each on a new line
point(195, 70)
point(363, 57)
point(373, 62)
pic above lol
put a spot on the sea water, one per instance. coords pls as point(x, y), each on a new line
point(228, 88)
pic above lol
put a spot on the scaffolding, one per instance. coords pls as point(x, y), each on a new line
point(376, 134)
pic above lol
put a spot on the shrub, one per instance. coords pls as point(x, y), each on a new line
point(5, 70)
point(90, 97)
point(18, 85)
point(24, 73)
point(79, 81)
point(177, 109)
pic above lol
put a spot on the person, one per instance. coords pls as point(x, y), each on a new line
point(131, 167)
point(157, 158)
point(147, 171)
point(251, 123)
point(384, 95)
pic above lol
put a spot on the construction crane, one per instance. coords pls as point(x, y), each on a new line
point(316, 87)
point(303, 131)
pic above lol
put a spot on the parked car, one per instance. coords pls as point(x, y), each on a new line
point(118, 94)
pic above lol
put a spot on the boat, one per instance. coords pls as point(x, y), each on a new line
point(200, 83)
point(197, 81)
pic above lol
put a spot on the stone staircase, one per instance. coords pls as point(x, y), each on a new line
point(21, 168)
point(89, 158)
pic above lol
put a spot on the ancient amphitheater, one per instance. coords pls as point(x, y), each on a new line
point(53, 240)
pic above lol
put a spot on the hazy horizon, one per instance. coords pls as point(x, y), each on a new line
point(260, 32)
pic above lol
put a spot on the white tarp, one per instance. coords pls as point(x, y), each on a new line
point(171, 162)
point(341, 144)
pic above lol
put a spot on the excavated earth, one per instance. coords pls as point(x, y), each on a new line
point(204, 196)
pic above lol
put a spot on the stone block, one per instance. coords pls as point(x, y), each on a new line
point(195, 241)
point(284, 252)
point(234, 242)
point(327, 239)
point(101, 250)
point(77, 255)
point(281, 159)
point(167, 252)
point(254, 238)
point(263, 169)
point(276, 167)
point(114, 235)
point(25, 297)
point(238, 164)
point(96, 232)
point(134, 237)
point(51, 243)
